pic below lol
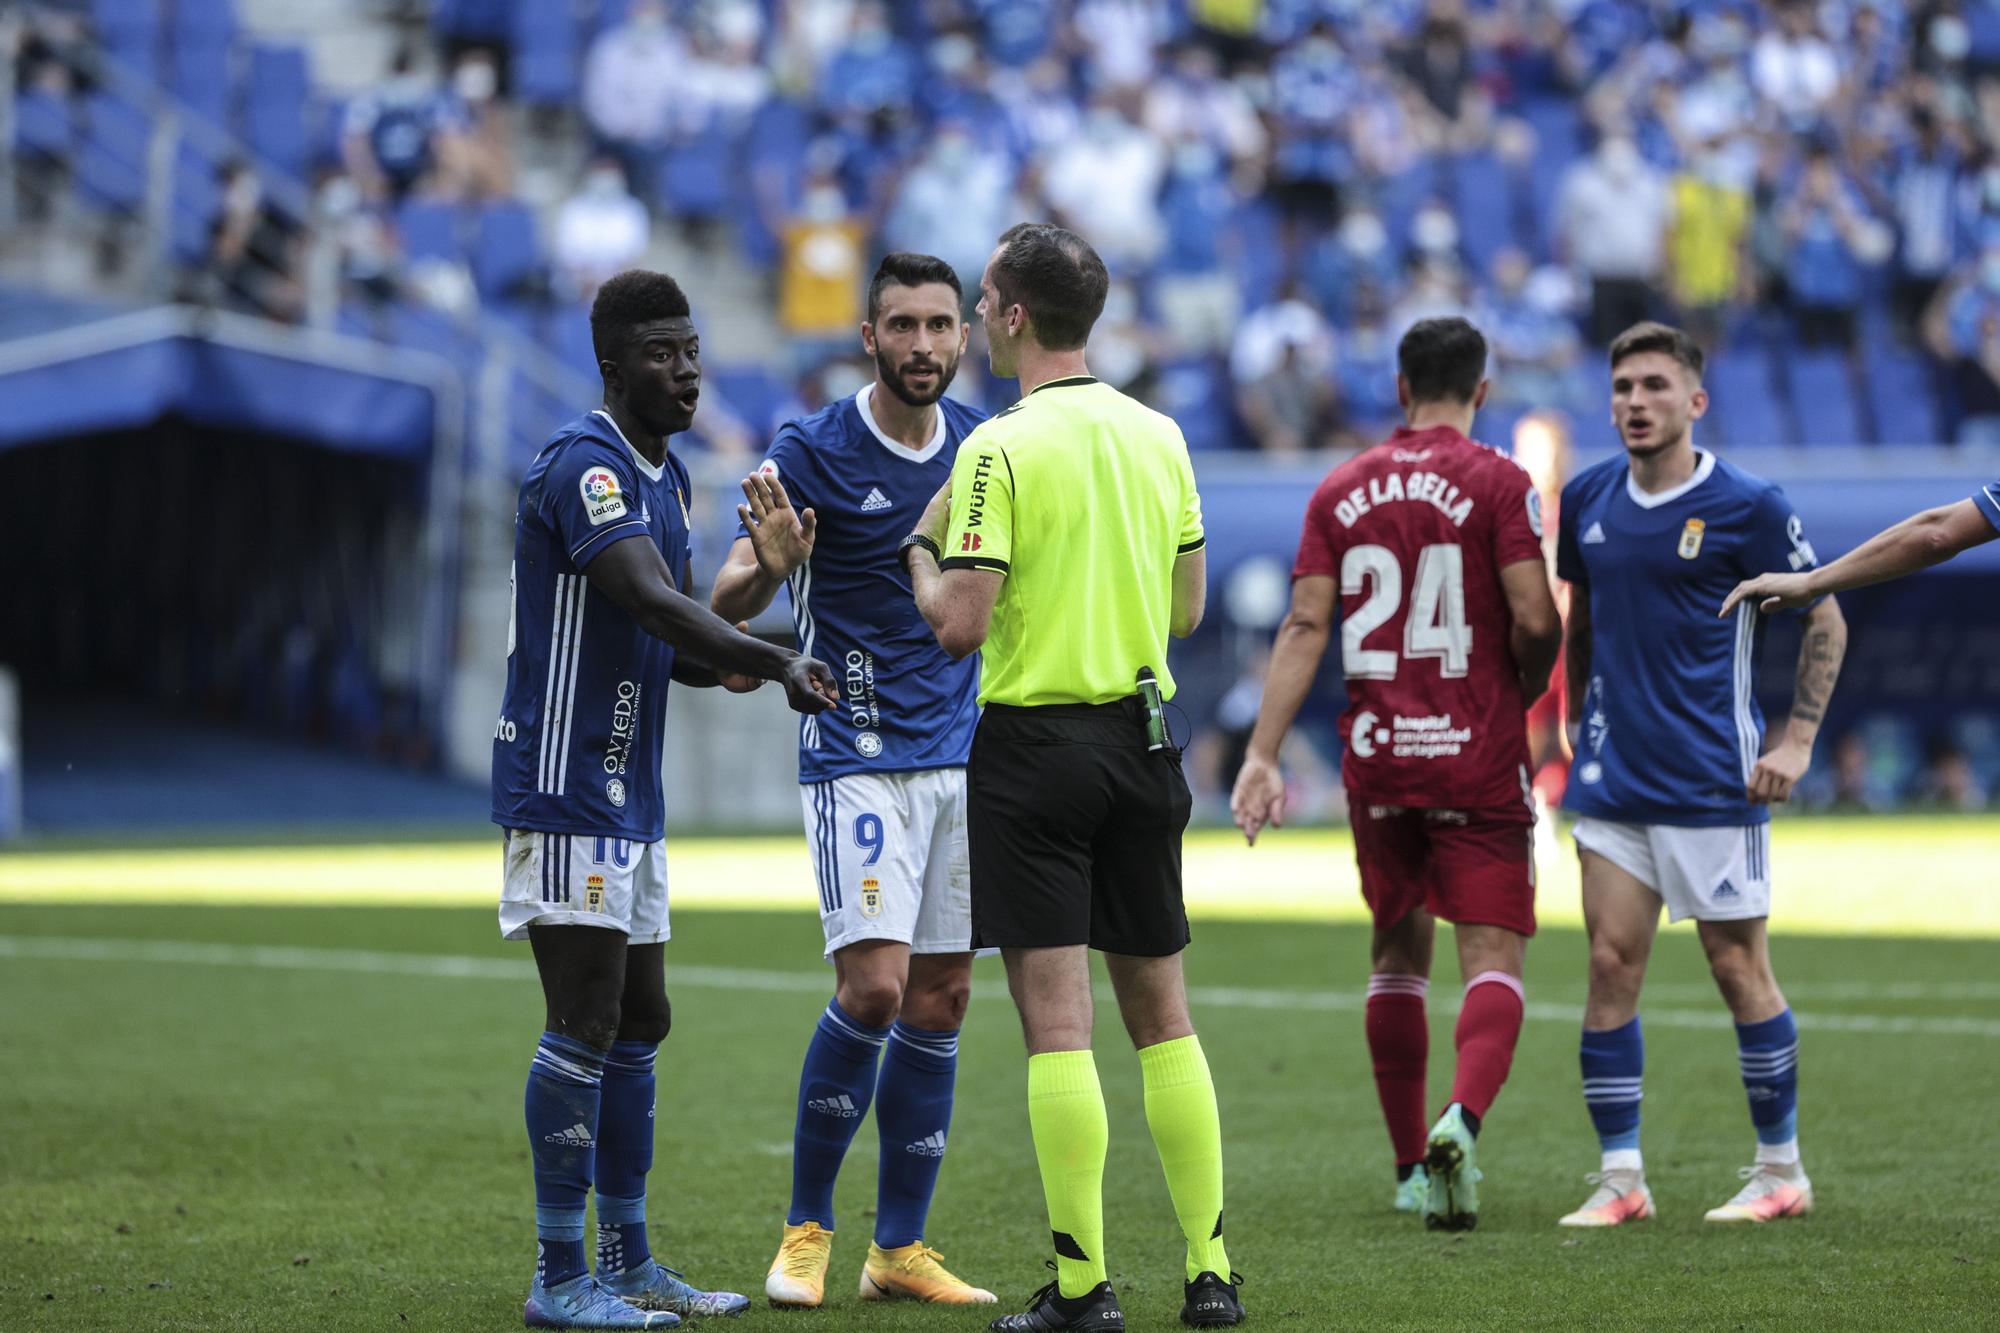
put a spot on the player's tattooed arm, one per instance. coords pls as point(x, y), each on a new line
point(1820, 653)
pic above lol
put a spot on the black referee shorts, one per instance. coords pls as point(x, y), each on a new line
point(1074, 831)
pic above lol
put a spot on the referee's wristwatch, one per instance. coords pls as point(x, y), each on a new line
point(913, 540)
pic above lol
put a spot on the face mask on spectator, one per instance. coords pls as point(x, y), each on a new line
point(824, 204)
point(1989, 272)
point(1434, 231)
point(1950, 39)
point(1620, 158)
point(604, 184)
point(1990, 183)
point(476, 81)
point(952, 54)
point(1194, 161)
point(1363, 235)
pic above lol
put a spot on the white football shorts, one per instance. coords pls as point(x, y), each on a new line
point(889, 853)
point(573, 879)
point(1710, 874)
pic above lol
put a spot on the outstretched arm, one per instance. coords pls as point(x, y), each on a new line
point(1259, 798)
point(1820, 655)
point(781, 539)
point(1918, 542)
point(634, 575)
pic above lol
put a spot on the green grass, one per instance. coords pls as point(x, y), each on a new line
point(199, 1146)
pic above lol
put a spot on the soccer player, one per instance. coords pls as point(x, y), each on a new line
point(1918, 542)
point(1448, 634)
point(1066, 551)
point(882, 780)
point(1671, 786)
point(600, 625)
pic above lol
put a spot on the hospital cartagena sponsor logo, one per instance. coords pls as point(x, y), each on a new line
point(602, 500)
point(624, 728)
point(1432, 737)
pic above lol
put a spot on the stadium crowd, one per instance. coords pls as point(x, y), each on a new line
point(1280, 186)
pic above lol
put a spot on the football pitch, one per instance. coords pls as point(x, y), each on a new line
point(225, 1111)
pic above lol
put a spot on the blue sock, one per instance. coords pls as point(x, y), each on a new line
point(1614, 1061)
point(563, 1089)
point(1769, 1055)
point(913, 1111)
point(624, 1156)
point(834, 1089)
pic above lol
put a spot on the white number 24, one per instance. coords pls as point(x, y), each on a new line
point(1435, 625)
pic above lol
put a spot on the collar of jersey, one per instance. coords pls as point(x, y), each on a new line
point(863, 396)
point(1645, 501)
point(1066, 382)
point(640, 460)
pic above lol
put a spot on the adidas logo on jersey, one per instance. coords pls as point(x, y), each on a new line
point(1592, 535)
point(931, 1145)
point(576, 1136)
point(876, 501)
point(1726, 892)
point(840, 1105)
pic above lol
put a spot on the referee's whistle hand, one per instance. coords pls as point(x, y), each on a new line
point(809, 685)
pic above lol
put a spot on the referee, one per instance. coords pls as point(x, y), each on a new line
point(1066, 548)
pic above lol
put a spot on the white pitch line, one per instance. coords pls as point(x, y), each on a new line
point(282, 958)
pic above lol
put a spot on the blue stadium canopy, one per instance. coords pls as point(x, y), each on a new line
point(229, 372)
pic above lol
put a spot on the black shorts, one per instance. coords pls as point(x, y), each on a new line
point(1074, 831)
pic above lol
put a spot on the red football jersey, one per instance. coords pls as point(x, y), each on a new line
point(1416, 531)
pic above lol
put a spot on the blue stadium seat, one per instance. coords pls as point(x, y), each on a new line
point(568, 335)
point(431, 230)
point(1194, 391)
point(44, 125)
point(130, 30)
point(203, 78)
point(754, 393)
point(505, 251)
point(197, 201)
point(547, 52)
point(111, 169)
point(1823, 398)
point(1905, 391)
point(473, 20)
point(697, 178)
point(1482, 197)
point(275, 89)
point(1745, 404)
point(203, 21)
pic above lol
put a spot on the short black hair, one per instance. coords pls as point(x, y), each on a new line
point(1055, 274)
point(635, 297)
point(906, 268)
point(1652, 336)
point(1442, 360)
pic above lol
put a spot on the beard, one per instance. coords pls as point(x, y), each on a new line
point(893, 378)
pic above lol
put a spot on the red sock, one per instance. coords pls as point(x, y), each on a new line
point(1399, 1039)
point(1489, 1024)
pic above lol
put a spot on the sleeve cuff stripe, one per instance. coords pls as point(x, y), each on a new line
point(973, 562)
point(1186, 548)
point(598, 536)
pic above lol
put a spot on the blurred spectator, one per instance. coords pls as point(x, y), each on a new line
point(1962, 329)
point(1121, 37)
point(1281, 365)
point(1794, 68)
point(1040, 112)
point(872, 71)
point(1857, 783)
point(1436, 291)
point(1533, 343)
point(600, 230)
point(1196, 102)
point(1198, 294)
point(1313, 86)
point(1105, 183)
point(1123, 350)
point(1828, 239)
point(724, 82)
point(953, 204)
point(1923, 186)
point(1353, 259)
point(1949, 782)
point(820, 280)
point(487, 158)
point(1611, 219)
point(1707, 245)
point(404, 131)
point(1438, 63)
point(630, 90)
point(253, 254)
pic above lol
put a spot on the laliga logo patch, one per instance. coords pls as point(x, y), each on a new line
point(614, 791)
point(871, 897)
point(593, 893)
point(602, 501)
point(1691, 536)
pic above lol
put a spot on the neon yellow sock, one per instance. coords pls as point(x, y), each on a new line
point(1187, 1130)
point(1066, 1114)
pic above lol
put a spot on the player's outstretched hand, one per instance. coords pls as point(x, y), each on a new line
point(1259, 798)
point(1778, 771)
point(809, 685)
point(1775, 592)
point(730, 680)
point(782, 538)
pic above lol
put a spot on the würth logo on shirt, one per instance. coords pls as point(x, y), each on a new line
point(976, 510)
point(968, 542)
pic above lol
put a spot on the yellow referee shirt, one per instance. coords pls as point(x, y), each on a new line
point(1084, 499)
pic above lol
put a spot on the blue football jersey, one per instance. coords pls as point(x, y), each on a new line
point(905, 705)
point(577, 748)
point(1671, 726)
point(1988, 500)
